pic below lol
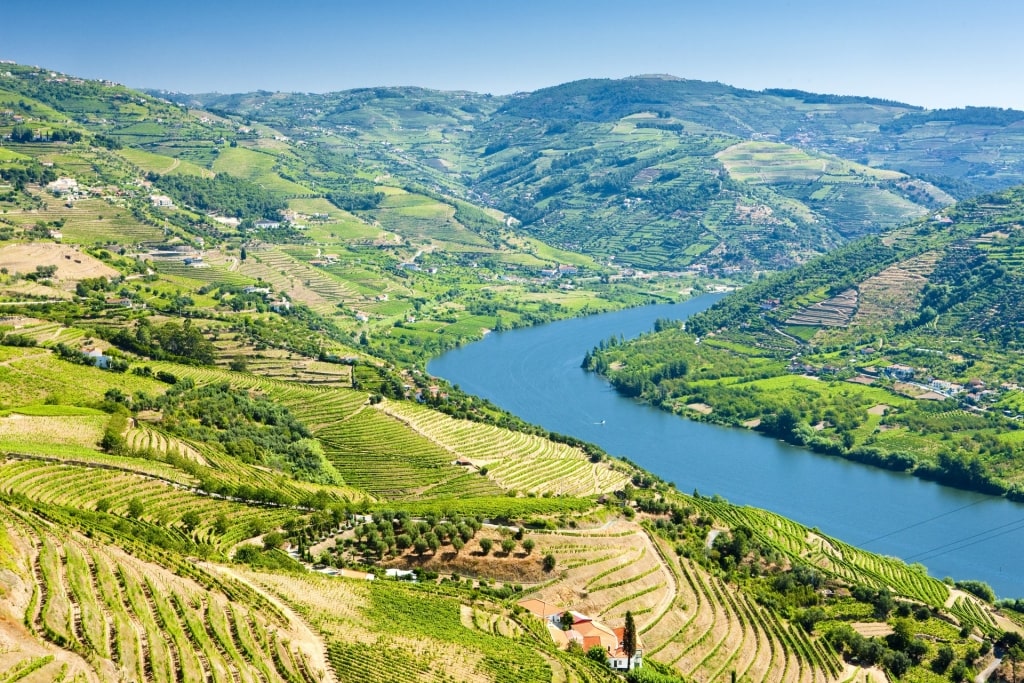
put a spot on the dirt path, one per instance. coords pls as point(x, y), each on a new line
point(311, 644)
point(669, 599)
point(987, 672)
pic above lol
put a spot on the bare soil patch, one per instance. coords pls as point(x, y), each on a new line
point(872, 629)
point(834, 312)
point(72, 264)
point(702, 408)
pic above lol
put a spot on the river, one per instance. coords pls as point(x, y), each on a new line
point(535, 373)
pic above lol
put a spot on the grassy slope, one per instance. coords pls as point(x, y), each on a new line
point(921, 292)
point(70, 523)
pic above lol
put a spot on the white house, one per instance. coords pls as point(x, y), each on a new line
point(587, 633)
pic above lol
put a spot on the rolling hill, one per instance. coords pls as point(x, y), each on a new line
point(217, 443)
point(666, 173)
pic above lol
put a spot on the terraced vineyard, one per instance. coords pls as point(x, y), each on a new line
point(379, 454)
point(45, 331)
point(299, 280)
point(90, 221)
point(894, 291)
point(419, 218)
point(839, 559)
point(128, 618)
point(163, 503)
point(834, 312)
point(210, 273)
point(283, 365)
point(513, 460)
point(686, 617)
point(425, 634)
point(145, 438)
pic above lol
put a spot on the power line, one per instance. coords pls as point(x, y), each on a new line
point(968, 541)
point(922, 522)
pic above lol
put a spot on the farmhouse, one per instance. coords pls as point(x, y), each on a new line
point(98, 358)
point(62, 186)
point(161, 201)
point(901, 372)
point(586, 632)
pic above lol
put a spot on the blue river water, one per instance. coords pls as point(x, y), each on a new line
point(535, 373)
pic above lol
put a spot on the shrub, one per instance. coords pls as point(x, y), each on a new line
point(273, 540)
point(136, 508)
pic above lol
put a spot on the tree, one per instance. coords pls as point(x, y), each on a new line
point(433, 542)
point(549, 562)
point(898, 663)
point(103, 505)
point(135, 508)
point(943, 659)
point(960, 672)
point(528, 545)
point(566, 619)
point(220, 524)
point(598, 654)
point(629, 640)
point(273, 540)
point(507, 545)
point(191, 520)
point(485, 545)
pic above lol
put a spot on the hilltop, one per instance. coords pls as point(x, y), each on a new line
point(216, 436)
point(667, 174)
point(899, 350)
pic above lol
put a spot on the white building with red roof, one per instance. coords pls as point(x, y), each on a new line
point(586, 632)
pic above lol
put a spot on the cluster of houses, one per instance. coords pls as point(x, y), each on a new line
point(558, 271)
point(586, 632)
point(974, 392)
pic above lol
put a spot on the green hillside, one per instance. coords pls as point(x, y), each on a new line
point(663, 173)
point(899, 350)
point(217, 437)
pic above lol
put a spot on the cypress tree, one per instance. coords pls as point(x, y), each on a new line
point(629, 640)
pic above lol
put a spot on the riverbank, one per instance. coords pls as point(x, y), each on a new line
point(535, 374)
point(952, 474)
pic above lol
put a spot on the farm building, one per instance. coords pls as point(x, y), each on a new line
point(585, 631)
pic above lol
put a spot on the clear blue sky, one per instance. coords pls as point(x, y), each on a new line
point(936, 53)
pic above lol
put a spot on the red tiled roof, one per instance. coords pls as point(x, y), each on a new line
point(540, 608)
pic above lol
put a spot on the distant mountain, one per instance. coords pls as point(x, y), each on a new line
point(668, 173)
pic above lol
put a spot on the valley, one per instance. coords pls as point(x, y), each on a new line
point(220, 435)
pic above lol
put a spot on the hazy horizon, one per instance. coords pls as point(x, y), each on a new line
point(934, 54)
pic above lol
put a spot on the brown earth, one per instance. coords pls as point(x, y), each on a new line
point(72, 264)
